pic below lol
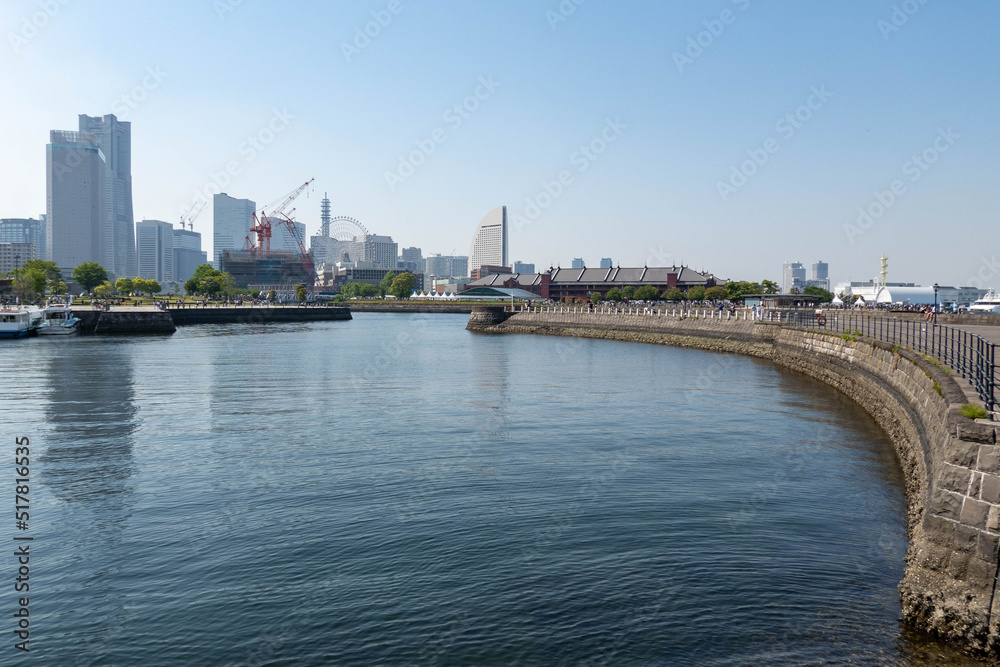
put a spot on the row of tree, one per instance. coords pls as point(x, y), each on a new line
point(36, 277)
point(399, 285)
point(732, 290)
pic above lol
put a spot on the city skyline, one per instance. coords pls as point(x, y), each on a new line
point(644, 132)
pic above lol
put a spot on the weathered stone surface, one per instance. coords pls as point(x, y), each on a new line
point(993, 519)
point(954, 478)
point(946, 504)
point(987, 547)
point(970, 431)
point(963, 454)
point(974, 513)
point(989, 459)
point(991, 489)
point(975, 485)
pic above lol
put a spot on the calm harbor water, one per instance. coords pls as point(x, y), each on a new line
point(395, 490)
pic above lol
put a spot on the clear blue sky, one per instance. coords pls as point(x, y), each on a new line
point(653, 194)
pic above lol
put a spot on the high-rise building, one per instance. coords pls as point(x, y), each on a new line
point(156, 250)
point(281, 238)
point(14, 255)
point(115, 141)
point(232, 219)
point(522, 267)
point(606, 263)
point(382, 251)
point(74, 193)
point(820, 275)
point(578, 263)
point(411, 259)
point(25, 230)
point(793, 276)
point(188, 254)
point(489, 244)
point(447, 266)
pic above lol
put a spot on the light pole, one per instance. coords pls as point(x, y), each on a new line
point(936, 288)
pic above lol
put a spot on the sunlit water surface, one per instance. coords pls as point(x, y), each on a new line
point(395, 490)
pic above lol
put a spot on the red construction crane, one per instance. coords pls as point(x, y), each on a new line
point(307, 262)
point(288, 200)
point(262, 224)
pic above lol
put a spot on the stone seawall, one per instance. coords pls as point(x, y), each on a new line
point(951, 464)
point(137, 321)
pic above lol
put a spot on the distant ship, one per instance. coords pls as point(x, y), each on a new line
point(989, 304)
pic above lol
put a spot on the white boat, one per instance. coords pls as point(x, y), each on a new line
point(989, 304)
point(58, 320)
point(16, 322)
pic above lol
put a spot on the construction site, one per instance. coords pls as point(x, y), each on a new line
point(256, 266)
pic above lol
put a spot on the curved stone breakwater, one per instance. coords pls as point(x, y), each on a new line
point(951, 464)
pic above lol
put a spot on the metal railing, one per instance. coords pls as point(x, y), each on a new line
point(968, 355)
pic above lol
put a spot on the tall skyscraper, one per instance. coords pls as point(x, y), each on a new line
point(188, 254)
point(115, 141)
point(793, 276)
point(523, 267)
point(606, 263)
point(74, 193)
point(14, 255)
point(231, 223)
point(156, 250)
point(381, 250)
point(281, 238)
point(578, 263)
point(25, 230)
point(489, 244)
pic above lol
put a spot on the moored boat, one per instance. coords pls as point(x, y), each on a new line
point(15, 322)
point(989, 304)
point(58, 320)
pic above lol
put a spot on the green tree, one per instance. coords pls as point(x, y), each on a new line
point(386, 283)
point(368, 290)
point(203, 271)
point(227, 283)
point(104, 290)
point(628, 292)
point(349, 290)
point(736, 289)
point(211, 285)
point(89, 275)
point(52, 272)
point(647, 293)
point(58, 287)
point(673, 294)
point(124, 285)
point(769, 287)
point(795, 290)
point(301, 292)
point(595, 298)
point(402, 285)
point(716, 293)
point(824, 295)
point(28, 283)
point(614, 294)
point(272, 295)
point(696, 294)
